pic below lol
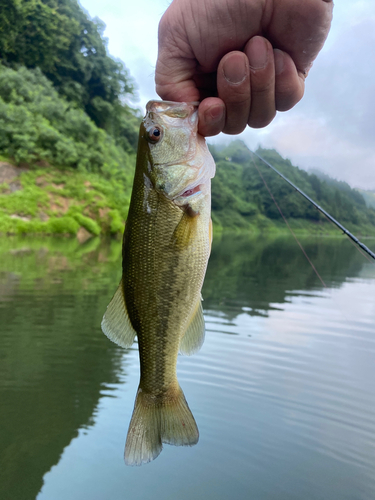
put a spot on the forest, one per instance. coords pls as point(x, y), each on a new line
point(240, 197)
point(68, 138)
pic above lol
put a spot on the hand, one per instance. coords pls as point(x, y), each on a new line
point(242, 59)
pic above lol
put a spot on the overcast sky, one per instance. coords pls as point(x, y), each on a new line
point(332, 128)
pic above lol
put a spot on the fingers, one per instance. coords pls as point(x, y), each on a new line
point(251, 87)
point(211, 116)
point(246, 86)
point(236, 75)
point(289, 83)
point(233, 88)
point(262, 81)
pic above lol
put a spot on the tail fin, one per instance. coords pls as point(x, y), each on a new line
point(153, 423)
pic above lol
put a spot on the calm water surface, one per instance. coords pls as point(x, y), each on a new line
point(283, 389)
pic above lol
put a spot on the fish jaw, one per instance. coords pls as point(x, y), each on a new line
point(197, 172)
point(179, 162)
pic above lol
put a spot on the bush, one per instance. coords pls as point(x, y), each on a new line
point(117, 224)
point(89, 224)
point(62, 225)
point(36, 124)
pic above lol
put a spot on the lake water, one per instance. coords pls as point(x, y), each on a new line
point(283, 390)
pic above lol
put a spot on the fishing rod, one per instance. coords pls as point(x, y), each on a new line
point(332, 219)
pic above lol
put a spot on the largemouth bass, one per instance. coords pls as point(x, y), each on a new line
point(167, 242)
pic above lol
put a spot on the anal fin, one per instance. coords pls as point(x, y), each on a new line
point(116, 322)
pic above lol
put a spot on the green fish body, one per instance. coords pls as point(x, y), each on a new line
point(166, 247)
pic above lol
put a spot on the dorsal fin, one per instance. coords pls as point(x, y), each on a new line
point(116, 322)
point(193, 338)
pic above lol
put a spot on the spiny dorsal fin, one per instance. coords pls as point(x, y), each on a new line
point(116, 322)
point(193, 338)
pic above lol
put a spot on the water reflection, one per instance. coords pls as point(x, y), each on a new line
point(54, 358)
point(255, 273)
point(285, 404)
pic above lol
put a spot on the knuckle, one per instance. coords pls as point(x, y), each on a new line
point(233, 129)
point(288, 93)
point(264, 87)
point(236, 120)
point(236, 96)
point(261, 120)
point(286, 99)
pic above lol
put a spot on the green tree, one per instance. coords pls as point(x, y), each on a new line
point(37, 124)
point(58, 37)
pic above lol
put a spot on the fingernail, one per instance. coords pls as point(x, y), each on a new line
point(234, 68)
point(257, 53)
point(279, 61)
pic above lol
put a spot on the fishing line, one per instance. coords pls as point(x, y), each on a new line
point(329, 217)
point(361, 251)
point(290, 229)
point(295, 237)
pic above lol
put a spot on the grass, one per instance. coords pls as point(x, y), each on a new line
point(56, 201)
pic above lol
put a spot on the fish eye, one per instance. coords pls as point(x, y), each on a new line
point(154, 134)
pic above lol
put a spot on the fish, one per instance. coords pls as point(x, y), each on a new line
point(166, 247)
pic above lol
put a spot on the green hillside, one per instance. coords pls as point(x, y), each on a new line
point(63, 122)
point(241, 200)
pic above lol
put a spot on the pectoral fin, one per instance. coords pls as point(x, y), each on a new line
point(185, 231)
point(116, 322)
point(193, 339)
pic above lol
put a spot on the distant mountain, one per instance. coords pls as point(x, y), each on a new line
point(241, 200)
point(344, 186)
point(369, 197)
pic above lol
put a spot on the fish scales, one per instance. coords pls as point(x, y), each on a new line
point(160, 318)
point(166, 248)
